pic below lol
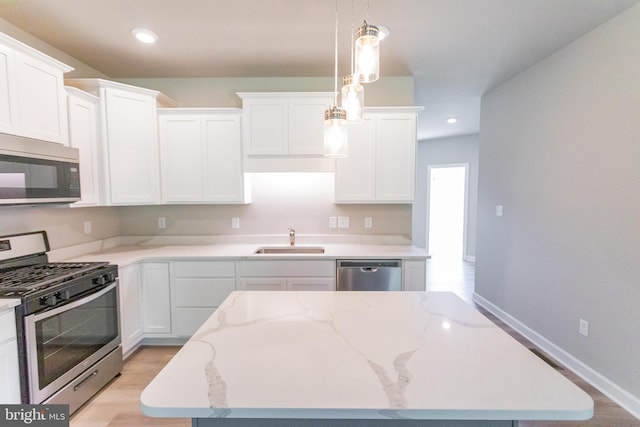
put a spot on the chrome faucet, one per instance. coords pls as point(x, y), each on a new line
point(292, 236)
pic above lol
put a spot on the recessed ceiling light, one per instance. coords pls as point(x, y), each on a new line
point(144, 35)
point(452, 120)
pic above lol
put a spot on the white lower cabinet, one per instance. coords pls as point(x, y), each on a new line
point(131, 327)
point(156, 297)
point(198, 288)
point(9, 380)
point(414, 274)
point(276, 275)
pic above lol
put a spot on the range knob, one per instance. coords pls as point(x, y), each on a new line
point(100, 280)
point(49, 300)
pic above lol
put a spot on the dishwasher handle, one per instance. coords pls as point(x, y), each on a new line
point(369, 265)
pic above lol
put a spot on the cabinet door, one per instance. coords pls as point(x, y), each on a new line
point(133, 149)
point(265, 126)
point(263, 284)
point(306, 125)
point(311, 284)
point(223, 152)
point(414, 276)
point(395, 157)
point(182, 158)
point(355, 174)
point(156, 298)
point(8, 98)
point(196, 298)
point(9, 380)
point(130, 307)
point(42, 100)
point(83, 135)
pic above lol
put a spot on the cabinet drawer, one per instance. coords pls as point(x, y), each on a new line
point(7, 326)
point(287, 268)
point(188, 320)
point(202, 292)
point(205, 269)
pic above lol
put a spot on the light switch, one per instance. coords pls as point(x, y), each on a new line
point(87, 227)
point(343, 222)
point(499, 210)
point(333, 222)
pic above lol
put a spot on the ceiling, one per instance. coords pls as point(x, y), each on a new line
point(456, 50)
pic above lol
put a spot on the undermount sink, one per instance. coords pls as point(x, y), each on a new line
point(290, 250)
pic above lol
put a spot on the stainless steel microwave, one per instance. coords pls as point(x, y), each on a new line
point(37, 172)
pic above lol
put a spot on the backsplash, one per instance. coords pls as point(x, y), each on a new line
point(279, 202)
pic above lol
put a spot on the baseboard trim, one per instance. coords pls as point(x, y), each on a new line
point(607, 387)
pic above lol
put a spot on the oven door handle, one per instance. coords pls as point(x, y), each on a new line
point(74, 304)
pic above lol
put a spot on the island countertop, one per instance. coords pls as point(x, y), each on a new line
point(358, 355)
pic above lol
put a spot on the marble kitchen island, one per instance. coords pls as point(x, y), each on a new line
point(357, 359)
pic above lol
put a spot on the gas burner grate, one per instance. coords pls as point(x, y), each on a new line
point(37, 276)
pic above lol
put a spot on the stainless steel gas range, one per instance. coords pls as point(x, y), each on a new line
point(68, 327)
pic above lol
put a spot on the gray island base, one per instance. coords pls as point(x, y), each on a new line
point(278, 422)
point(281, 358)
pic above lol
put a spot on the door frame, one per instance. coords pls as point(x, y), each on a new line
point(466, 202)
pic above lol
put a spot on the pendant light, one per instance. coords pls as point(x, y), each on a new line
point(367, 53)
point(352, 95)
point(335, 130)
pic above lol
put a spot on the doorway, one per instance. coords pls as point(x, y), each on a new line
point(447, 211)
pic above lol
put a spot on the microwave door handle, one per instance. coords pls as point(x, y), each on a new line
point(74, 304)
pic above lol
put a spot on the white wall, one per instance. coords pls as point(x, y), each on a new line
point(445, 151)
point(64, 225)
point(221, 91)
point(303, 201)
point(560, 149)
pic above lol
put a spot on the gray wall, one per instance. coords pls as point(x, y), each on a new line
point(445, 151)
point(560, 150)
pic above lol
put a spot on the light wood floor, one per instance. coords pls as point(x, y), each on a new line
point(118, 404)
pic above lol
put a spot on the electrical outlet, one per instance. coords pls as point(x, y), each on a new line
point(235, 222)
point(583, 327)
point(333, 222)
point(499, 210)
point(87, 227)
point(343, 222)
point(162, 222)
point(368, 222)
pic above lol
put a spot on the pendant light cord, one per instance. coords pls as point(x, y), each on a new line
point(335, 86)
point(353, 29)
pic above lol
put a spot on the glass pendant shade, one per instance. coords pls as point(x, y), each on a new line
point(367, 53)
point(352, 97)
point(335, 132)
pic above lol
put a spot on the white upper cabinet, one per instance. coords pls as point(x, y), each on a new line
point(283, 131)
point(83, 135)
point(380, 166)
point(130, 140)
point(201, 155)
point(33, 101)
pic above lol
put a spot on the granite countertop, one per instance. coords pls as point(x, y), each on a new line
point(8, 303)
point(366, 355)
point(129, 251)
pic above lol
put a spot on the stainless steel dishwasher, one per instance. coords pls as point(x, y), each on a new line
point(369, 275)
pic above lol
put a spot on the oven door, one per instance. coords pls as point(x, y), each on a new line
point(65, 341)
